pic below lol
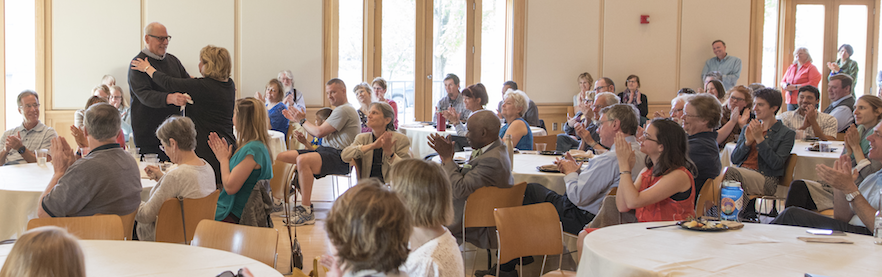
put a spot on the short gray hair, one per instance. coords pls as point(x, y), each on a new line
point(681, 98)
point(102, 121)
point(286, 73)
point(387, 111)
point(521, 100)
point(608, 97)
point(25, 93)
point(179, 128)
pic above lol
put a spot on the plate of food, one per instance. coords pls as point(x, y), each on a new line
point(460, 160)
point(548, 168)
point(551, 153)
point(703, 225)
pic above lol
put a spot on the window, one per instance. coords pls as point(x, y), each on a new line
point(416, 52)
point(770, 43)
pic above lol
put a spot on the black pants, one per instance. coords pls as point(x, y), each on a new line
point(796, 216)
point(572, 218)
point(798, 195)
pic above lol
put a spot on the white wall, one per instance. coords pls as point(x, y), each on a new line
point(561, 44)
point(286, 36)
point(274, 35)
point(88, 43)
point(564, 37)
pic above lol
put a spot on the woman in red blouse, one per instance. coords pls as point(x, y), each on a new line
point(801, 73)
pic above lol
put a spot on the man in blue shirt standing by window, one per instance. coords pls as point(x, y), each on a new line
point(728, 66)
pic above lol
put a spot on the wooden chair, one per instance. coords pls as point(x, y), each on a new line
point(104, 227)
point(356, 163)
point(253, 242)
point(128, 222)
point(549, 140)
point(478, 210)
point(527, 231)
point(789, 166)
point(709, 196)
point(280, 180)
point(170, 227)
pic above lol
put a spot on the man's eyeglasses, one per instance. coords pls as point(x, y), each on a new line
point(167, 38)
point(28, 106)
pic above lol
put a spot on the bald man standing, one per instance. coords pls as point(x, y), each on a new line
point(488, 166)
point(152, 103)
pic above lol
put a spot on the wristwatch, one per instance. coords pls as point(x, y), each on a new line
point(850, 197)
point(21, 150)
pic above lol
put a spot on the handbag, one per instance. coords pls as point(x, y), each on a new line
point(296, 252)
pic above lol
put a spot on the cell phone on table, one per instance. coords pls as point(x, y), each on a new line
point(823, 232)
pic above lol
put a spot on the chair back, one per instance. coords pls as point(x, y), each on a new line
point(253, 242)
point(709, 196)
point(128, 223)
point(788, 170)
point(478, 211)
point(280, 178)
point(170, 227)
point(550, 141)
point(356, 163)
point(528, 230)
point(104, 227)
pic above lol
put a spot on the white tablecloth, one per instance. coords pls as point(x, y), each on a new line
point(137, 258)
point(419, 142)
point(756, 250)
point(524, 170)
point(277, 143)
point(20, 189)
point(805, 166)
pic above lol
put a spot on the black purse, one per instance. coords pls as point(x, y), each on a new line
point(296, 252)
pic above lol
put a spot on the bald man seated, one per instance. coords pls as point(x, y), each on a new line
point(489, 166)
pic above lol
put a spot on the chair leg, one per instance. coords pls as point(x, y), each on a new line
point(489, 261)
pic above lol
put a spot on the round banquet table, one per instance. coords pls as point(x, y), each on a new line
point(138, 258)
point(524, 170)
point(805, 166)
point(277, 143)
point(419, 142)
point(20, 189)
point(757, 249)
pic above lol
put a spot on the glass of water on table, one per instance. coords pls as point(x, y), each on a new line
point(42, 156)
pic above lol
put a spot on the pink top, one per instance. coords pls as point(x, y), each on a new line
point(666, 209)
point(395, 109)
point(808, 74)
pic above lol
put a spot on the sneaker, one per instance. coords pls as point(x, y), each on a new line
point(303, 216)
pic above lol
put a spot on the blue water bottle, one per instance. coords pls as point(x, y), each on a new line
point(730, 200)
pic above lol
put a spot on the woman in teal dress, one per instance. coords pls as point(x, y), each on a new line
point(250, 163)
point(513, 108)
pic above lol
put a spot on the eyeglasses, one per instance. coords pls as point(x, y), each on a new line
point(646, 137)
point(28, 106)
point(676, 111)
point(689, 115)
point(161, 39)
point(116, 97)
point(737, 99)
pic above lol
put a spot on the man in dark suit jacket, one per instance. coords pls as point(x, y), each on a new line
point(489, 166)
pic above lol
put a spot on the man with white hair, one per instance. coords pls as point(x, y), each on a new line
point(19, 143)
point(293, 98)
point(152, 103)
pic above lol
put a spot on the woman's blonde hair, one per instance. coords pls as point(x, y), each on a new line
point(122, 102)
point(370, 228)
point(807, 54)
point(45, 251)
point(425, 191)
point(216, 62)
point(252, 122)
point(101, 87)
point(521, 100)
